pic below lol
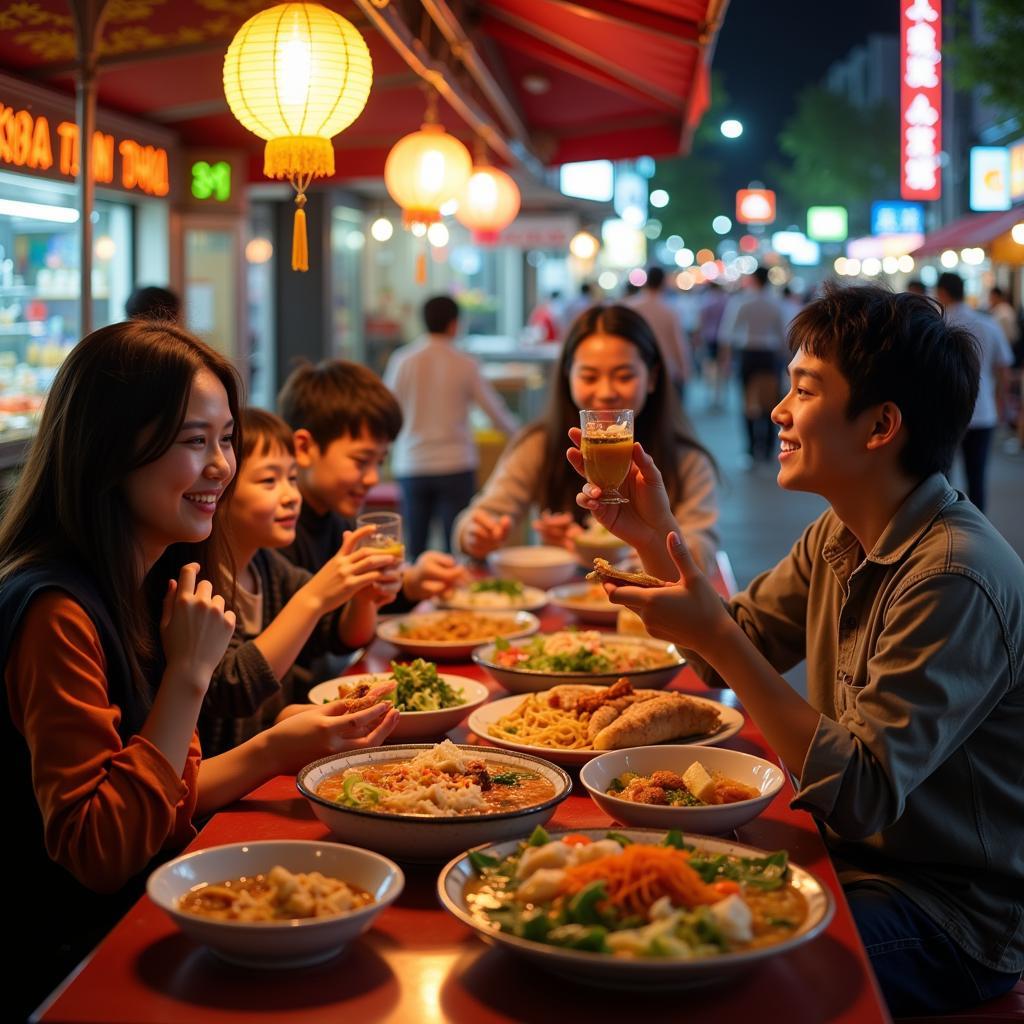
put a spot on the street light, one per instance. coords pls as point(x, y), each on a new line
point(732, 129)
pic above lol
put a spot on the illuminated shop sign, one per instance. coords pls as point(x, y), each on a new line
point(211, 181)
point(827, 223)
point(1017, 171)
point(755, 206)
point(990, 178)
point(920, 98)
point(30, 142)
point(895, 218)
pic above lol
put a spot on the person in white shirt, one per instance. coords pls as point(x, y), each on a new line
point(755, 326)
point(434, 457)
point(996, 359)
point(668, 331)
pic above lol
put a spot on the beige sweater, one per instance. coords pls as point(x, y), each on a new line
point(514, 486)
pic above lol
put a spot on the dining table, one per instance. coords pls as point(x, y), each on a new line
point(419, 965)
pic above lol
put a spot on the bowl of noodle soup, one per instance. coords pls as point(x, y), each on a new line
point(454, 634)
point(242, 932)
point(418, 801)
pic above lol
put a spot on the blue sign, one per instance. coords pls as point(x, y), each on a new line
point(896, 217)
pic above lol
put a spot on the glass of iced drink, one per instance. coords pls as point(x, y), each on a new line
point(607, 448)
point(386, 538)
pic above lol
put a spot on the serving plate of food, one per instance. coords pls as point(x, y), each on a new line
point(710, 791)
point(424, 802)
point(571, 724)
point(586, 601)
point(638, 908)
point(579, 656)
point(275, 903)
point(431, 702)
point(454, 634)
point(495, 594)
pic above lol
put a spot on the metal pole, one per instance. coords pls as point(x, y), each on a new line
point(88, 16)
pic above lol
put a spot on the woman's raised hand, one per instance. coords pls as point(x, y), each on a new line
point(483, 533)
point(648, 515)
point(557, 528)
point(195, 626)
point(325, 730)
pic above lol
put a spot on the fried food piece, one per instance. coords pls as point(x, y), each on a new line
point(666, 717)
point(593, 701)
point(600, 718)
point(668, 780)
point(605, 572)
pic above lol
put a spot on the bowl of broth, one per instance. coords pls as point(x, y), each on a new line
point(425, 802)
point(276, 903)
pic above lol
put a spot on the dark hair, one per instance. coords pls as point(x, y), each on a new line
point(117, 403)
point(661, 426)
point(151, 302)
point(439, 313)
point(655, 278)
point(952, 284)
point(761, 276)
point(916, 285)
point(997, 291)
point(897, 348)
point(336, 399)
point(262, 430)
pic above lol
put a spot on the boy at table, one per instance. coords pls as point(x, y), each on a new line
point(344, 420)
point(908, 607)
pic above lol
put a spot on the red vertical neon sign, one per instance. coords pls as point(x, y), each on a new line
point(920, 98)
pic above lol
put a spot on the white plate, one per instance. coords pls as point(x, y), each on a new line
point(610, 971)
point(532, 599)
point(419, 837)
point(388, 631)
point(599, 614)
point(524, 680)
point(483, 717)
point(413, 725)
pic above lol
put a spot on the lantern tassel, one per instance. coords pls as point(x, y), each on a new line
point(300, 244)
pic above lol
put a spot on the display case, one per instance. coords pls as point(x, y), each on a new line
point(39, 290)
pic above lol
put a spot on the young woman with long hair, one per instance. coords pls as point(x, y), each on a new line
point(610, 360)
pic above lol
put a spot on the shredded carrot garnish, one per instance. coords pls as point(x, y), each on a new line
point(641, 875)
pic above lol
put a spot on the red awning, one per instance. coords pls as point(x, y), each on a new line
point(569, 80)
point(977, 230)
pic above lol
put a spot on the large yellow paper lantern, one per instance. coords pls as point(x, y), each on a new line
point(488, 204)
point(296, 75)
point(424, 171)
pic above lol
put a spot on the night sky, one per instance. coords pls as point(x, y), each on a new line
point(768, 52)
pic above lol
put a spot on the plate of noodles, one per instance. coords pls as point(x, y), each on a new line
point(579, 656)
point(636, 908)
point(454, 634)
point(571, 724)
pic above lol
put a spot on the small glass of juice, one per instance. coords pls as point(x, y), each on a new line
point(386, 538)
point(607, 448)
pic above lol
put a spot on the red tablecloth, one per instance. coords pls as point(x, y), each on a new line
point(418, 965)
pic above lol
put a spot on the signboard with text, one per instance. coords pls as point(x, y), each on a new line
point(1017, 171)
point(893, 217)
point(920, 98)
point(990, 178)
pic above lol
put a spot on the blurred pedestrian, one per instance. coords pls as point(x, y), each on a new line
point(996, 359)
point(916, 287)
point(582, 302)
point(546, 318)
point(668, 332)
point(1010, 321)
point(754, 324)
point(714, 349)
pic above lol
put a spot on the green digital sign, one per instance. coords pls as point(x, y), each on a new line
point(827, 223)
point(211, 181)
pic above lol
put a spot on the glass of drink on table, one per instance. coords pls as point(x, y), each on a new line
point(386, 538)
point(607, 448)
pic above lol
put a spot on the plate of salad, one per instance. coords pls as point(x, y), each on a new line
point(635, 908)
point(496, 594)
point(430, 702)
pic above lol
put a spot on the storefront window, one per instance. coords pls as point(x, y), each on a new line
point(348, 243)
point(260, 257)
point(39, 286)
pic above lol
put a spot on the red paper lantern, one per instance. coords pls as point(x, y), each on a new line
point(488, 204)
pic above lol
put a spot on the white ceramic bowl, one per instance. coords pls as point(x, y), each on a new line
point(600, 612)
point(590, 545)
point(534, 566)
point(714, 820)
point(274, 944)
point(417, 837)
point(518, 680)
point(659, 973)
point(532, 599)
point(390, 630)
point(414, 725)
